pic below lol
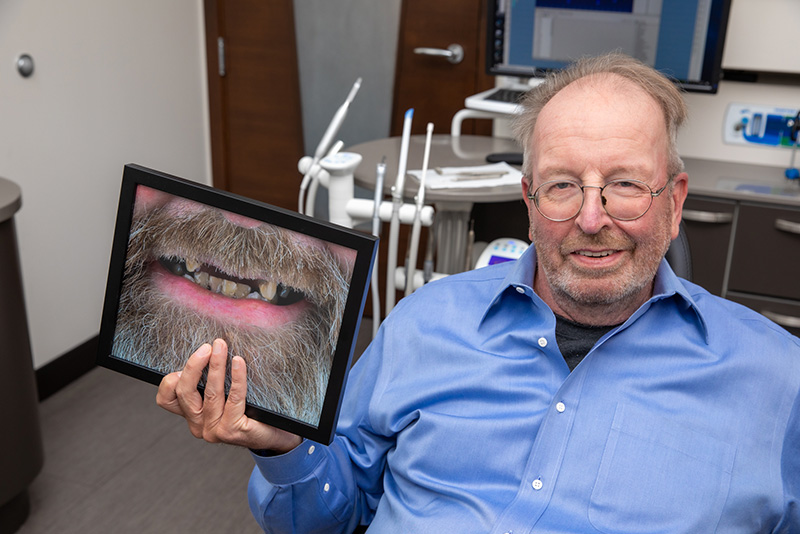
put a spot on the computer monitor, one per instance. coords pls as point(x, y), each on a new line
point(681, 38)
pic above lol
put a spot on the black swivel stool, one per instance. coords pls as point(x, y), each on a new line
point(21, 454)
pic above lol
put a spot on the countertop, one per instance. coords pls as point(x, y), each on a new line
point(741, 181)
point(10, 199)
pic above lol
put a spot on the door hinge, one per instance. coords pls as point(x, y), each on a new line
point(221, 55)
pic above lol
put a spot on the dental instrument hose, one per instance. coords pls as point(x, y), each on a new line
point(380, 175)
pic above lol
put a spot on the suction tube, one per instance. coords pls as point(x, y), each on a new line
point(397, 201)
point(325, 142)
point(411, 266)
point(380, 176)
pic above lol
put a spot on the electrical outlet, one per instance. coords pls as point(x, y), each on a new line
point(754, 125)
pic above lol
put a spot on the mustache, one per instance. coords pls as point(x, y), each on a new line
point(604, 239)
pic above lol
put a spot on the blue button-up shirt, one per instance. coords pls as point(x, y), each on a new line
point(462, 416)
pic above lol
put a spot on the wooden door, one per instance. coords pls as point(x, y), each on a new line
point(254, 99)
point(434, 87)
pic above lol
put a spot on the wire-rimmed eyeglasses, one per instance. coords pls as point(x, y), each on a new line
point(623, 200)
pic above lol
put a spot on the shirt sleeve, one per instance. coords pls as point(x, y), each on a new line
point(317, 488)
point(790, 471)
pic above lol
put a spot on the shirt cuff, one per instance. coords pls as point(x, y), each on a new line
point(291, 467)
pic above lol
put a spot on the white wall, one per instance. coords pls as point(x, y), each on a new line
point(115, 82)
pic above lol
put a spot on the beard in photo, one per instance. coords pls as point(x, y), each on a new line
point(288, 365)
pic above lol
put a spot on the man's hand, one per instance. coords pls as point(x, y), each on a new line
point(212, 417)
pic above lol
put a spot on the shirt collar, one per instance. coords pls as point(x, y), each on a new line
point(519, 278)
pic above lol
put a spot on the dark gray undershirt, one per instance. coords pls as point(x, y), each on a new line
point(575, 340)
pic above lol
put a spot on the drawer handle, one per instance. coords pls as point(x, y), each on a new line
point(787, 226)
point(714, 217)
point(786, 321)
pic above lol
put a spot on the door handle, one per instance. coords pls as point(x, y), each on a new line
point(454, 53)
point(713, 217)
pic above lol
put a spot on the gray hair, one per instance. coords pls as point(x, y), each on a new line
point(655, 84)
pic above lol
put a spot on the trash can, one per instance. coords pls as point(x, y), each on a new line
point(21, 453)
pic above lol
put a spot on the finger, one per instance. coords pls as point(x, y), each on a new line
point(166, 397)
point(214, 398)
point(237, 396)
point(245, 431)
point(189, 399)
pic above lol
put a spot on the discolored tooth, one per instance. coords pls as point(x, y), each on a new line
point(215, 284)
point(268, 290)
point(202, 279)
point(242, 290)
point(228, 288)
point(192, 265)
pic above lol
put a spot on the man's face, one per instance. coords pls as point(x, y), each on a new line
point(194, 273)
point(592, 132)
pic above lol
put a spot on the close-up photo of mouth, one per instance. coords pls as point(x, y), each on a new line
point(208, 290)
point(212, 279)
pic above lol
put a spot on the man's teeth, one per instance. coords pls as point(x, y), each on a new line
point(270, 291)
point(594, 254)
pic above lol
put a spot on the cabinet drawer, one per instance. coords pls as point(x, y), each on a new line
point(766, 252)
point(708, 228)
point(785, 313)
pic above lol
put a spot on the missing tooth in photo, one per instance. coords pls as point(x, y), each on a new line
point(194, 273)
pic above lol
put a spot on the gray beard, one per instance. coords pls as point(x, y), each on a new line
point(288, 366)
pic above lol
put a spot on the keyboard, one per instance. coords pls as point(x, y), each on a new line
point(503, 94)
point(498, 99)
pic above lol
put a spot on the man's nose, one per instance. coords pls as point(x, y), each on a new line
point(593, 216)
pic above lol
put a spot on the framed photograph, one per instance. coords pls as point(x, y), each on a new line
point(190, 263)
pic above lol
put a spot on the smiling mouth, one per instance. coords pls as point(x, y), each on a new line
point(590, 254)
point(212, 279)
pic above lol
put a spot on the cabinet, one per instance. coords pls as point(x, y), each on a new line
point(709, 228)
point(748, 252)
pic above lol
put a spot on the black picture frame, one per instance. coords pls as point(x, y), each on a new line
point(341, 248)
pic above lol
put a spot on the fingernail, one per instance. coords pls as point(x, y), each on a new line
point(236, 362)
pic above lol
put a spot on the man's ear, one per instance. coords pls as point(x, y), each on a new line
point(680, 188)
point(526, 186)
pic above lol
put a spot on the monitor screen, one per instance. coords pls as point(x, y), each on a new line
point(681, 38)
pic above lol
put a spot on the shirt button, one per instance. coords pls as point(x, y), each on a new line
point(311, 450)
point(520, 290)
point(542, 342)
point(327, 487)
point(560, 407)
point(537, 484)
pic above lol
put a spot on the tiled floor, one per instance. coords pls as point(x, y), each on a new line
point(116, 463)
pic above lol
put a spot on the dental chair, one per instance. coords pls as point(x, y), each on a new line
point(679, 255)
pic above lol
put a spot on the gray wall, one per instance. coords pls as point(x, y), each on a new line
point(339, 41)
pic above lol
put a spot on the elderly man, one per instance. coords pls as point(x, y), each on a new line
point(581, 388)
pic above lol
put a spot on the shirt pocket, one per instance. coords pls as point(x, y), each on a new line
point(658, 476)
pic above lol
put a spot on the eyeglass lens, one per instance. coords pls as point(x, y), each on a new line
point(622, 199)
